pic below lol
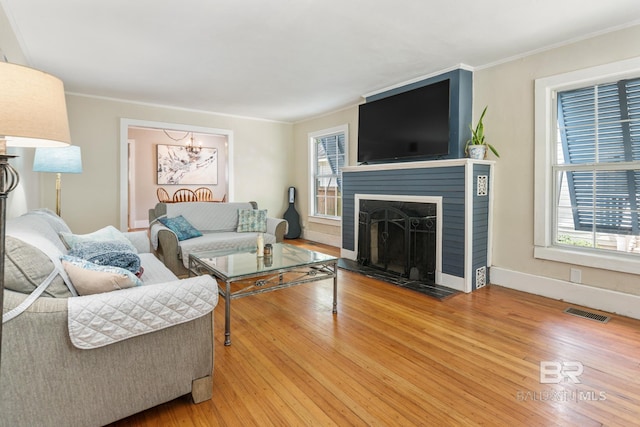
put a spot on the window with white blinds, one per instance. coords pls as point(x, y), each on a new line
point(328, 157)
point(596, 171)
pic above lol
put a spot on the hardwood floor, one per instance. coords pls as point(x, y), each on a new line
point(392, 356)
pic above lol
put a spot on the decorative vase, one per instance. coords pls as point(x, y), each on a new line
point(477, 151)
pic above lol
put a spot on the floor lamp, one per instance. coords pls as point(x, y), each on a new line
point(33, 113)
point(58, 160)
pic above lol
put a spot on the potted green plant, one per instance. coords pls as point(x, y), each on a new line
point(476, 147)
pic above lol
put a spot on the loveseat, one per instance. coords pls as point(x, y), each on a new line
point(209, 226)
point(96, 358)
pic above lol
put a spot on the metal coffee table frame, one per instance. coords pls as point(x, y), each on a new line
point(288, 266)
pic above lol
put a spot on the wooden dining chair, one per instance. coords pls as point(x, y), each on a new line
point(163, 196)
point(204, 194)
point(184, 195)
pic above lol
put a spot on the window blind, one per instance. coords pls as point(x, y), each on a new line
point(333, 146)
point(600, 126)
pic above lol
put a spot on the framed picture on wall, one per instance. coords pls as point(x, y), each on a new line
point(179, 166)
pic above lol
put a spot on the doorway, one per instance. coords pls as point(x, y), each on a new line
point(139, 142)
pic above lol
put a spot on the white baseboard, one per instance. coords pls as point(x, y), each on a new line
point(142, 224)
point(453, 282)
point(325, 239)
point(588, 296)
point(346, 253)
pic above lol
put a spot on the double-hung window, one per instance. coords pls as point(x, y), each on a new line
point(588, 167)
point(328, 150)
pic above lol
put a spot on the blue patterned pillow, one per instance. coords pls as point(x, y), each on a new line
point(108, 252)
point(252, 220)
point(107, 233)
point(89, 278)
point(181, 227)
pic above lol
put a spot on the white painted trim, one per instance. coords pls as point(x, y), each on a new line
point(124, 176)
point(563, 43)
point(468, 226)
point(404, 198)
point(124, 157)
point(600, 299)
point(615, 262)
point(311, 137)
point(346, 253)
point(324, 220)
point(490, 218)
point(325, 239)
point(415, 165)
point(174, 107)
point(141, 224)
point(544, 137)
point(131, 183)
point(453, 282)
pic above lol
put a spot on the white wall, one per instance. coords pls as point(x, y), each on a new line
point(508, 90)
point(319, 231)
point(269, 157)
point(92, 199)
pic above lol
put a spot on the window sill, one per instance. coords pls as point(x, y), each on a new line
point(622, 263)
point(326, 220)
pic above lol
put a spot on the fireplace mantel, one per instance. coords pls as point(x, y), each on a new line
point(465, 188)
point(429, 164)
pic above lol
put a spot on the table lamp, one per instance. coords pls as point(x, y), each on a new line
point(33, 113)
point(58, 160)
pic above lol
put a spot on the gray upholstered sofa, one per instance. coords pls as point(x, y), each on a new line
point(218, 223)
point(91, 360)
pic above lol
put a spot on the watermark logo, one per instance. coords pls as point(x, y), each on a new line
point(564, 372)
point(556, 372)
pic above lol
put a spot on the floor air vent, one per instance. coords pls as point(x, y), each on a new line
point(587, 315)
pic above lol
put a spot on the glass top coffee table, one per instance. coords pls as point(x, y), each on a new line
point(249, 274)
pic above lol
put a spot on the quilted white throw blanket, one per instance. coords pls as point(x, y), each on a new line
point(102, 319)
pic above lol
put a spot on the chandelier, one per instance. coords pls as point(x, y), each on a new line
point(190, 146)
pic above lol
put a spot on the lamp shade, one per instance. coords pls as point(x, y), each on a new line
point(33, 110)
point(60, 160)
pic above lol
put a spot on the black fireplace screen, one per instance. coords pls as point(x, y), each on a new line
point(398, 238)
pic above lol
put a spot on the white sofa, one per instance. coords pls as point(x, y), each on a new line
point(218, 223)
point(91, 360)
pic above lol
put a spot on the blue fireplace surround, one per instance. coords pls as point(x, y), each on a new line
point(466, 212)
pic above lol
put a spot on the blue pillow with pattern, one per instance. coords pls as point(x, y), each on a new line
point(107, 270)
point(108, 252)
point(252, 220)
point(179, 225)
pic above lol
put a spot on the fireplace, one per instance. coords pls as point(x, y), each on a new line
point(398, 238)
point(461, 191)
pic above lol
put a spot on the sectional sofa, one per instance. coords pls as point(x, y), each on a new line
point(208, 226)
point(92, 359)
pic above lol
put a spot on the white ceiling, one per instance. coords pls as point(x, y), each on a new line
point(285, 60)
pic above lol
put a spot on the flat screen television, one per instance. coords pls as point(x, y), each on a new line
point(411, 125)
